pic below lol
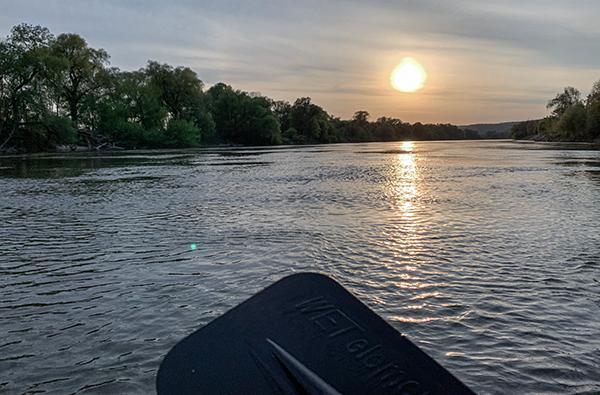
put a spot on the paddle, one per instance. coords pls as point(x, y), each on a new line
point(305, 334)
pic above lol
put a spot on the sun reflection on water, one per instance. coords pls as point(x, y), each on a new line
point(408, 146)
point(406, 230)
point(406, 177)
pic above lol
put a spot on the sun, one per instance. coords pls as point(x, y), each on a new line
point(409, 76)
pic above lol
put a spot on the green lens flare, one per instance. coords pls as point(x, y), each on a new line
point(193, 247)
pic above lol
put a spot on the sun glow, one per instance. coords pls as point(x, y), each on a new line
point(409, 76)
point(408, 146)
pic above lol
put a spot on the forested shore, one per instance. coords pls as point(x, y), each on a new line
point(572, 119)
point(59, 92)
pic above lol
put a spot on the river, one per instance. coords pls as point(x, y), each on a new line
point(484, 253)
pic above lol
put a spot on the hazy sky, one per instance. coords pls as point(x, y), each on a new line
point(487, 60)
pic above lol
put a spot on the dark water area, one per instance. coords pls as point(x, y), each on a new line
point(486, 254)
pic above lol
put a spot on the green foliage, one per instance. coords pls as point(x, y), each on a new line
point(545, 126)
point(56, 91)
point(131, 135)
point(59, 130)
point(130, 113)
point(561, 103)
point(592, 126)
point(241, 118)
point(523, 130)
point(204, 121)
point(390, 129)
point(262, 125)
point(80, 76)
point(179, 88)
point(291, 136)
point(594, 96)
point(139, 99)
point(311, 121)
point(225, 106)
point(571, 124)
point(180, 92)
point(23, 96)
point(593, 120)
point(38, 136)
point(181, 133)
point(357, 130)
point(571, 120)
point(281, 111)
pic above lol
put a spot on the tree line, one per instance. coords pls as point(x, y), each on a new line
point(572, 118)
point(57, 90)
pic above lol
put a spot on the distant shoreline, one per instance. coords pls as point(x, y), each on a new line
point(594, 145)
point(74, 98)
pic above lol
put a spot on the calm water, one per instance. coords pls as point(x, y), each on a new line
point(486, 254)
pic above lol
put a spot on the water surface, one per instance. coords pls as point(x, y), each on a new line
point(486, 254)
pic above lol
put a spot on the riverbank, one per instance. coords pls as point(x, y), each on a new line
point(111, 148)
point(542, 138)
point(65, 149)
point(115, 148)
point(572, 119)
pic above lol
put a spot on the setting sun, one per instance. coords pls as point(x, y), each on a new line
point(409, 76)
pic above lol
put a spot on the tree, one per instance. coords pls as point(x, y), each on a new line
point(181, 133)
point(593, 112)
point(359, 128)
point(143, 100)
point(281, 109)
point(225, 106)
point(311, 121)
point(24, 98)
point(361, 117)
point(593, 120)
point(53, 88)
point(131, 113)
point(389, 129)
point(263, 127)
point(241, 118)
point(180, 88)
point(572, 124)
point(82, 75)
point(181, 92)
point(569, 97)
point(594, 95)
point(522, 130)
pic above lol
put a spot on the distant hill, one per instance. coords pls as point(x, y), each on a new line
point(492, 130)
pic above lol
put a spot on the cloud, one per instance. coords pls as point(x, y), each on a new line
point(498, 59)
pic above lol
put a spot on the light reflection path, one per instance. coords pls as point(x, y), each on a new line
point(404, 189)
point(405, 229)
point(407, 178)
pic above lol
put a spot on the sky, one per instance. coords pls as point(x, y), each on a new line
point(487, 61)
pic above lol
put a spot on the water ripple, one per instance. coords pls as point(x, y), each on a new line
point(486, 254)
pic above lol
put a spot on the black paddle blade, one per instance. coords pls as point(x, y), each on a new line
point(305, 334)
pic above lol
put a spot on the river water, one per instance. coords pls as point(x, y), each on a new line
point(486, 254)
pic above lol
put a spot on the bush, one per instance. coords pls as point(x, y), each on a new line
point(205, 122)
point(592, 125)
point(59, 130)
point(572, 124)
point(45, 134)
point(129, 135)
point(291, 136)
point(181, 134)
